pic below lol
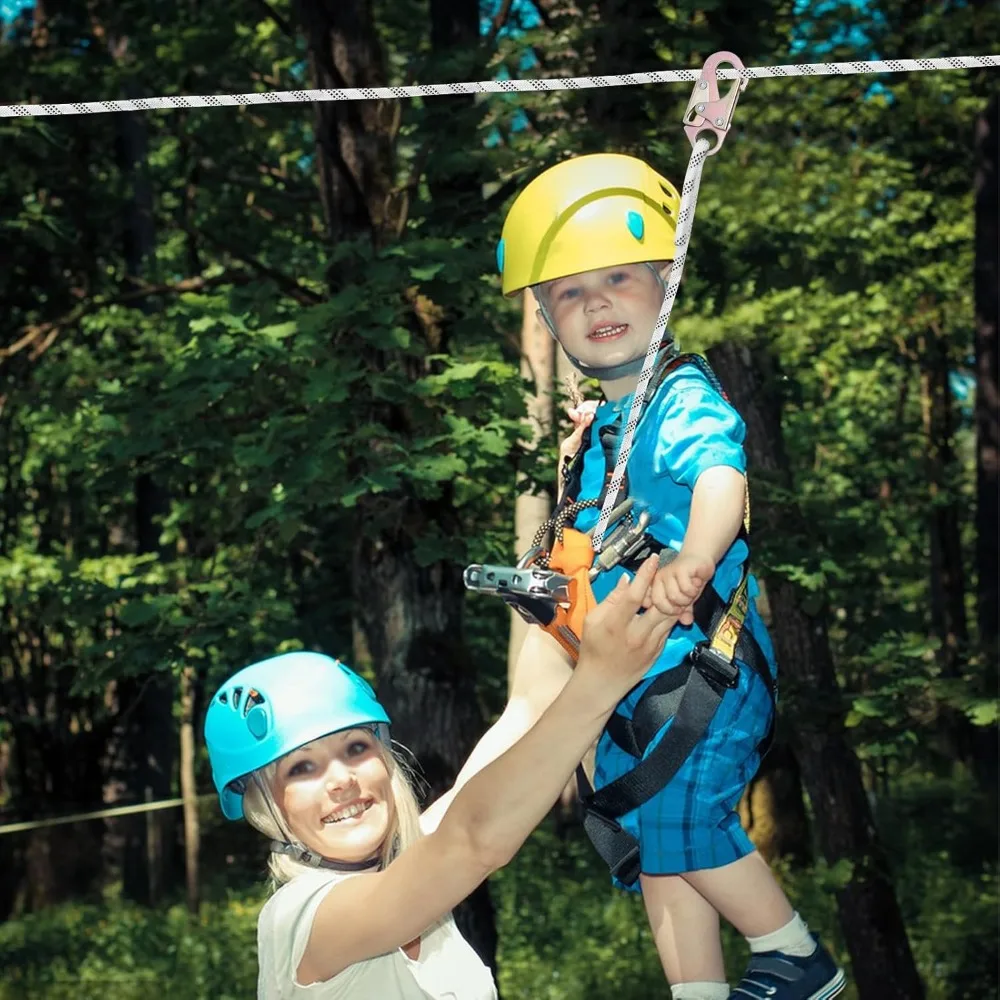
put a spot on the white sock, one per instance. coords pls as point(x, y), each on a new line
point(700, 991)
point(792, 939)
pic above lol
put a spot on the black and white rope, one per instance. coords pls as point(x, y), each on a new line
point(496, 86)
point(685, 222)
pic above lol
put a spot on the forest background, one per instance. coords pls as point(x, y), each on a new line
point(259, 391)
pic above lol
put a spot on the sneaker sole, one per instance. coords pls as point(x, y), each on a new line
point(833, 988)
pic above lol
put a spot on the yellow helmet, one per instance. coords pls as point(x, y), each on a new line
point(590, 212)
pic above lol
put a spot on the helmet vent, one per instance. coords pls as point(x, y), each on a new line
point(666, 208)
point(223, 698)
point(253, 698)
point(237, 694)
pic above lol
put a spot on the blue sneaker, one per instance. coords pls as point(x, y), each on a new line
point(773, 975)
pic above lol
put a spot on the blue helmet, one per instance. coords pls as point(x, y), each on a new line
point(270, 708)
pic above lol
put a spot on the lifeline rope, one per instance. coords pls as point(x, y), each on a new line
point(685, 221)
point(498, 86)
point(40, 824)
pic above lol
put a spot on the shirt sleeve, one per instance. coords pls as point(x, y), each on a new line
point(697, 430)
point(285, 925)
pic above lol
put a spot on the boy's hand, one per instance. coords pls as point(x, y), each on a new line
point(679, 584)
point(581, 416)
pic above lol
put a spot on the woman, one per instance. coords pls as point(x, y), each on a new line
point(299, 747)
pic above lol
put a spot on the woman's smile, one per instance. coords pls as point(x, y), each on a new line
point(336, 795)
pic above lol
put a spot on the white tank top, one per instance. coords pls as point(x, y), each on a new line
point(447, 969)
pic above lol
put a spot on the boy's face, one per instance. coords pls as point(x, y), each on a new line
point(605, 317)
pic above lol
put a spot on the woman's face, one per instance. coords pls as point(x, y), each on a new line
point(336, 795)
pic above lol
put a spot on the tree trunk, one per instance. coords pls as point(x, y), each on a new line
point(538, 356)
point(189, 791)
point(881, 958)
point(449, 127)
point(538, 363)
point(773, 811)
point(354, 139)
point(148, 741)
point(409, 613)
point(987, 294)
point(947, 570)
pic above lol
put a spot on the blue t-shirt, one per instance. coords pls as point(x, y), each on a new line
point(686, 428)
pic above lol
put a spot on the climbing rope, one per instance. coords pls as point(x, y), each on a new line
point(685, 221)
point(875, 66)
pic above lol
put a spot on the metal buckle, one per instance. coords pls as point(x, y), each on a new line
point(707, 111)
point(714, 666)
point(532, 581)
point(622, 543)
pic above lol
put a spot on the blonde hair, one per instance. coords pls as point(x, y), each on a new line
point(263, 813)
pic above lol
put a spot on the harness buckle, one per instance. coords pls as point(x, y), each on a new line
point(714, 666)
point(707, 111)
point(618, 848)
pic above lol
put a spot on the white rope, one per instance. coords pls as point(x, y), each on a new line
point(496, 86)
point(40, 824)
point(685, 222)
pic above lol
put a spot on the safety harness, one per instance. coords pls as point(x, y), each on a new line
point(552, 589)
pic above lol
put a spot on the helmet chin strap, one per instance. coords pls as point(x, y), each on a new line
point(307, 857)
point(610, 372)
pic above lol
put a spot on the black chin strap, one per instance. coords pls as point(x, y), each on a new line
point(307, 857)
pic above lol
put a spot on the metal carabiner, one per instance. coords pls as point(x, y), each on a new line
point(707, 111)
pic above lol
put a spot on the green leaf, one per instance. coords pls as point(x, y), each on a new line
point(279, 331)
point(427, 272)
point(984, 713)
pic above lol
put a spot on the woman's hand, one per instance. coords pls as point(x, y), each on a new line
point(618, 644)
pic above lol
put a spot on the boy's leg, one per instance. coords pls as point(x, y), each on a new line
point(788, 961)
point(746, 893)
point(686, 930)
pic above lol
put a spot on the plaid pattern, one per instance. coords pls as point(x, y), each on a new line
point(692, 823)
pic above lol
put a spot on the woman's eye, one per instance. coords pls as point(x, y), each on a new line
point(357, 747)
point(567, 293)
point(302, 767)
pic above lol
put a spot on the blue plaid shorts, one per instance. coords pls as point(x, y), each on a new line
point(692, 823)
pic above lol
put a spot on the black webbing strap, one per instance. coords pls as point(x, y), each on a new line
point(705, 677)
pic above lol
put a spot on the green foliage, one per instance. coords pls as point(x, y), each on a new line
point(271, 385)
point(565, 933)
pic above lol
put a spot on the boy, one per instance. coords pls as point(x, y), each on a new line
point(594, 238)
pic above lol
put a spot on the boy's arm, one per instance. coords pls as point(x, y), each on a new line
point(717, 509)
point(540, 673)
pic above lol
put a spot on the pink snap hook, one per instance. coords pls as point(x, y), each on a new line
point(707, 111)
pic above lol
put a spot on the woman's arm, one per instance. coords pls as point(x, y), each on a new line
point(542, 670)
point(499, 807)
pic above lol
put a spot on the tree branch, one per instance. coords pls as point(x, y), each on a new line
point(304, 296)
point(43, 335)
point(499, 20)
point(283, 25)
